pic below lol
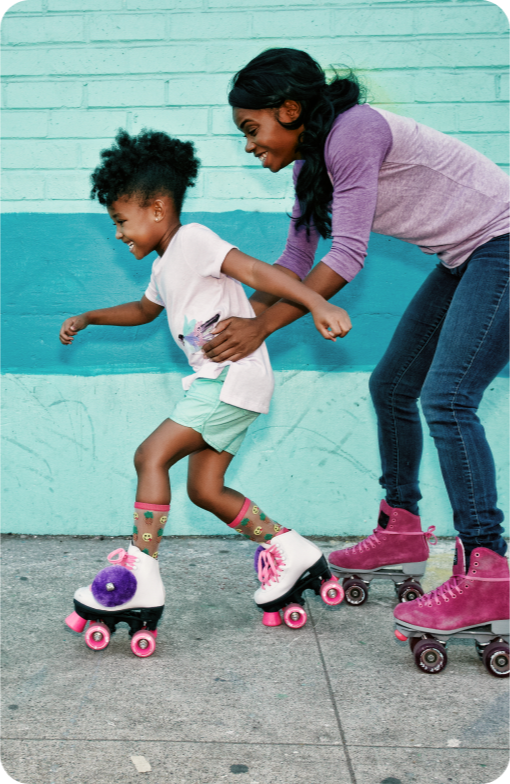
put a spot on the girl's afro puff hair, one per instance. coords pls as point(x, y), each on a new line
point(145, 166)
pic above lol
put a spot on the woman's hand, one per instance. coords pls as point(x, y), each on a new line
point(332, 322)
point(235, 339)
point(71, 326)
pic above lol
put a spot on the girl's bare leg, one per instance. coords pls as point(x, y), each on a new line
point(206, 484)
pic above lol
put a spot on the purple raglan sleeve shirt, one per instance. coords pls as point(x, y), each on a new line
point(354, 152)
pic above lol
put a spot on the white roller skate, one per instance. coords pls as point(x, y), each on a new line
point(287, 566)
point(128, 590)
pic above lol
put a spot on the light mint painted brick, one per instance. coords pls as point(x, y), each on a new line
point(170, 58)
point(224, 152)
point(376, 21)
point(163, 5)
point(236, 184)
point(84, 5)
point(127, 92)
point(388, 86)
point(493, 145)
point(54, 29)
point(90, 150)
point(204, 90)
point(39, 154)
point(24, 124)
point(64, 61)
point(190, 122)
point(233, 4)
point(467, 85)
point(26, 7)
point(504, 87)
point(230, 56)
point(442, 118)
point(483, 117)
point(222, 122)
point(68, 185)
point(487, 18)
point(127, 27)
point(209, 25)
point(299, 24)
point(22, 185)
point(38, 95)
point(86, 124)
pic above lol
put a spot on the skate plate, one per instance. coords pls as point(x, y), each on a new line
point(137, 618)
point(312, 579)
point(398, 572)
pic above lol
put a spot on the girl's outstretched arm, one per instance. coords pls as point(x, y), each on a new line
point(329, 320)
point(131, 314)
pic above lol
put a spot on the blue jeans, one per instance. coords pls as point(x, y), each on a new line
point(449, 345)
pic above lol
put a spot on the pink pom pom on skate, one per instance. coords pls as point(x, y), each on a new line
point(332, 592)
point(76, 622)
point(271, 619)
point(295, 616)
point(97, 636)
point(143, 643)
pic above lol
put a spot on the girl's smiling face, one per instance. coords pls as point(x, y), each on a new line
point(274, 145)
point(144, 228)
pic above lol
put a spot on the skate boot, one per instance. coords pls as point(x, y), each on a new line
point(287, 566)
point(473, 604)
point(128, 590)
point(397, 550)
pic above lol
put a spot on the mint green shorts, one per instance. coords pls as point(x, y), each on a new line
point(221, 425)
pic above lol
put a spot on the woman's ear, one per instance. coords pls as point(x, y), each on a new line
point(158, 209)
point(289, 111)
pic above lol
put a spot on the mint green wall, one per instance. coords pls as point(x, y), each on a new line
point(76, 70)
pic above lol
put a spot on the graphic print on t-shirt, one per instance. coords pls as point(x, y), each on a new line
point(198, 332)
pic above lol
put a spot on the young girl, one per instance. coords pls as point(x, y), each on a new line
point(142, 181)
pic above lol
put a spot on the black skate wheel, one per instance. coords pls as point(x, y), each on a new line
point(496, 659)
point(430, 656)
point(356, 591)
point(409, 591)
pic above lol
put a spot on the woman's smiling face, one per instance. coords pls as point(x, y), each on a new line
point(274, 145)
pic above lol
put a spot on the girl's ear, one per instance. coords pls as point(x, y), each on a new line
point(158, 208)
point(289, 111)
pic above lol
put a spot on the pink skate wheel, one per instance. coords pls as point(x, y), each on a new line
point(143, 643)
point(400, 636)
point(76, 622)
point(271, 619)
point(332, 592)
point(294, 616)
point(97, 636)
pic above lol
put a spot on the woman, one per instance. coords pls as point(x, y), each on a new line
point(360, 169)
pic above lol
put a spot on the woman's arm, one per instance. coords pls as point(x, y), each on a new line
point(130, 314)
point(240, 337)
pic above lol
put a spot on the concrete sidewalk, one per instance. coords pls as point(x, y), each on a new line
point(224, 699)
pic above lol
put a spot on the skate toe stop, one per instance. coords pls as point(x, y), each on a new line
point(400, 636)
point(271, 619)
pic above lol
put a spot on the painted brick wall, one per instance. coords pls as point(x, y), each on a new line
point(76, 70)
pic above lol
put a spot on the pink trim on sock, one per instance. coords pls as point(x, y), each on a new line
point(241, 514)
point(153, 507)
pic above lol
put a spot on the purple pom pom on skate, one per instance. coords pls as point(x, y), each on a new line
point(113, 586)
point(259, 550)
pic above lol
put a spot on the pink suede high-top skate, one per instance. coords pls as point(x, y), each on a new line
point(397, 550)
point(397, 541)
point(471, 597)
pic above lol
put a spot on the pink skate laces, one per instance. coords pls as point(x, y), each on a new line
point(375, 537)
point(123, 559)
point(452, 588)
point(270, 565)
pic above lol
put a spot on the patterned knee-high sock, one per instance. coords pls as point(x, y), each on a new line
point(255, 525)
point(148, 527)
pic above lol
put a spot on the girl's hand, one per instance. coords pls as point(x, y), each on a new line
point(332, 322)
point(71, 326)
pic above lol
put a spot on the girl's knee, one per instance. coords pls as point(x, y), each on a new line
point(203, 497)
point(146, 457)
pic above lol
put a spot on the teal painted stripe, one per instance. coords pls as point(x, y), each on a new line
point(55, 266)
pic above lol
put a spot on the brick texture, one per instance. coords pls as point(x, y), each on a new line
point(74, 71)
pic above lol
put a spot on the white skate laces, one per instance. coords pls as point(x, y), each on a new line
point(378, 535)
point(270, 566)
point(122, 559)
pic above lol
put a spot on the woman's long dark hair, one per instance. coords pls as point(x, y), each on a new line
point(278, 75)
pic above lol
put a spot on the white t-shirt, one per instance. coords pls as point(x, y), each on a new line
point(187, 280)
